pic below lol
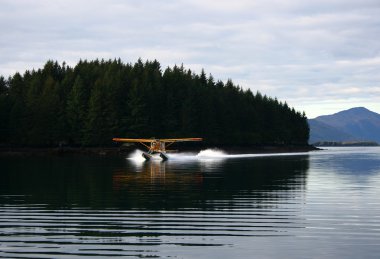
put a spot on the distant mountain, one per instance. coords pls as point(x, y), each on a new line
point(320, 131)
point(355, 124)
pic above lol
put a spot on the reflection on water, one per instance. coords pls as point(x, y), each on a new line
point(204, 205)
point(204, 184)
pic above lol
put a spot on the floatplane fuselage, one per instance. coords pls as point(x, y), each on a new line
point(156, 146)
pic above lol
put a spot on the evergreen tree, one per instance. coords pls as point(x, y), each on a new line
point(137, 118)
point(76, 111)
point(5, 109)
point(97, 100)
point(3, 86)
point(96, 127)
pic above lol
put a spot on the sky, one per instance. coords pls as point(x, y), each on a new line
point(320, 56)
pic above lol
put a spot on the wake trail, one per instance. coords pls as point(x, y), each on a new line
point(207, 154)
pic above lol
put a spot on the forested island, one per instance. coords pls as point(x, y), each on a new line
point(89, 104)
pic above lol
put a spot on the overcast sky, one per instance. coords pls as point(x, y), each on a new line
point(320, 56)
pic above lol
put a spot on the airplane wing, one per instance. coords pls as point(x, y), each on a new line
point(140, 140)
point(147, 140)
point(180, 139)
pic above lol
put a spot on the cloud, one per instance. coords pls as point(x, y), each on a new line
point(319, 51)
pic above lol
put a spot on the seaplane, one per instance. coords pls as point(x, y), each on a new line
point(156, 146)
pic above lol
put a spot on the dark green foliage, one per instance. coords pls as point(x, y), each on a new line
point(95, 101)
point(5, 109)
point(76, 111)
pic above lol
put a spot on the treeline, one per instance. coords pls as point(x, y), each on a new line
point(91, 103)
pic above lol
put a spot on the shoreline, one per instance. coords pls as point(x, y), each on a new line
point(114, 151)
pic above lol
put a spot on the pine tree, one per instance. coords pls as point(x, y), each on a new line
point(5, 109)
point(76, 111)
point(137, 118)
point(97, 100)
point(96, 127)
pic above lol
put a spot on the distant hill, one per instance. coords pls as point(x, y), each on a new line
point(320, 131)
point(355, 124)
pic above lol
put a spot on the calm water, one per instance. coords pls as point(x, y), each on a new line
point(324, 204)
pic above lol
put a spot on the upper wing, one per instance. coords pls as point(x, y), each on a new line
point(180, 139)
point(145, 140)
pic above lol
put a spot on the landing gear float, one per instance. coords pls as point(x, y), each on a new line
point(156, 146)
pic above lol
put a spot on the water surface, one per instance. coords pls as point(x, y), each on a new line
point(323, 204)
